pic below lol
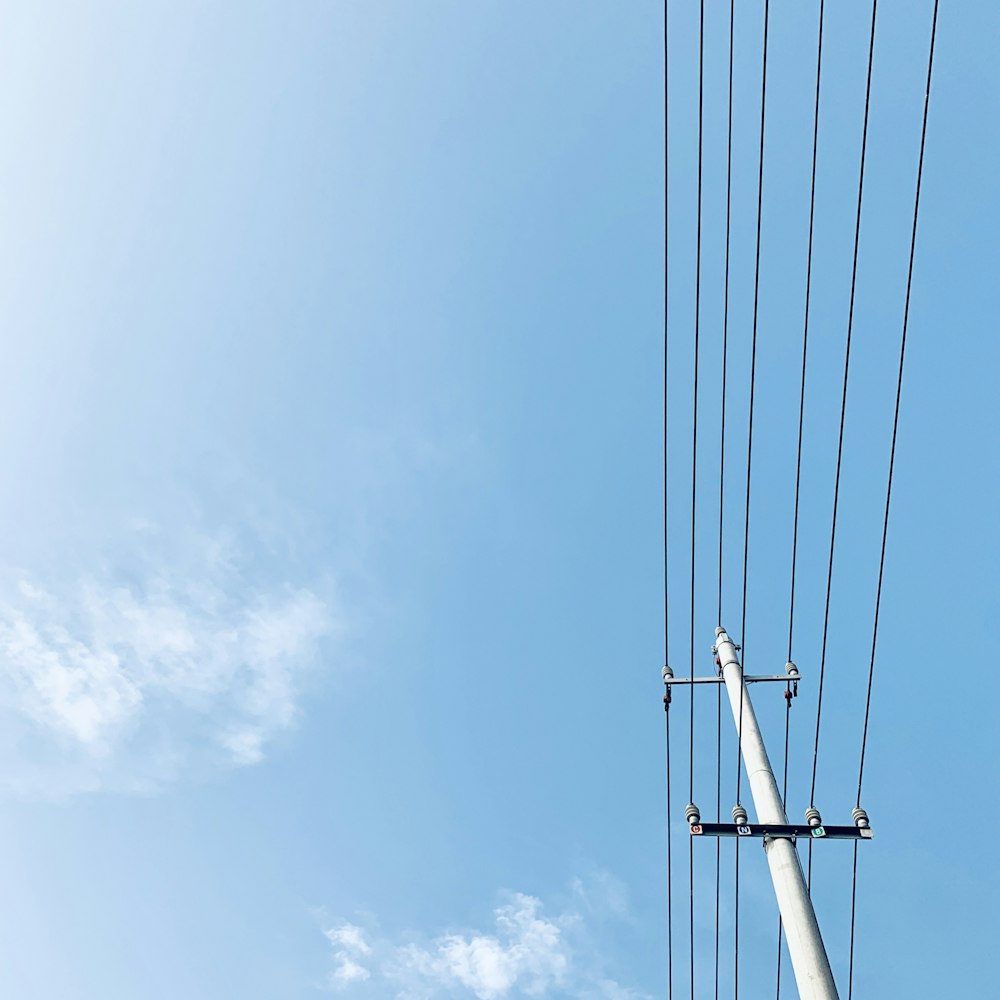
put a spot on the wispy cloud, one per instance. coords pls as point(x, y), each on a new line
point(123, 679)
point(526, 953)
point(350, 948)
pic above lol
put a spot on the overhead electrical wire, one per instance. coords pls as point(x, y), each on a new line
point(746, 522)
point(802, 410)
point(725, 307)
point(694, 457)
point(805, 331)
point(666, 601)
point(670, 935)
point(899, 392)
point(753, 375)
point(784, 805)
point(722, 486)
point(718, 819)
point(843, 413)
point(892, 463)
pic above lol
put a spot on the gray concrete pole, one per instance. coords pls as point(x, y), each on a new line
point(805, 945)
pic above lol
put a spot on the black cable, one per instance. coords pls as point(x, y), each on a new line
point(694, 460)
point(736, 922)
point(784, 805)
point(805, 332)
point(899, 391)
point(722, 481)
point(843, 411)
point(725, 308)
point(722, 490)
point(798, 450)
point(746, 522)
point(718, 819)
point(854, 898)
point(666, 282)
point(753, 373)
point(892, 462)
point(694, 419)
point(666, 602)
point(670, 904)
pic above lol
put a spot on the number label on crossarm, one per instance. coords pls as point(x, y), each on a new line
point(743, 831)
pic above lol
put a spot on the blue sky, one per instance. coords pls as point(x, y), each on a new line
point(331, 592)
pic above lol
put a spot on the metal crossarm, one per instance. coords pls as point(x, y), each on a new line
point(749, 678)
point(790, 832)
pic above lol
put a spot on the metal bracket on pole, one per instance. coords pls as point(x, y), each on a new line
point(788, 831)
point(750, 679)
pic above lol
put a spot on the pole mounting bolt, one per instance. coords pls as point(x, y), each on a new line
point(692, 815)
point(813, 817)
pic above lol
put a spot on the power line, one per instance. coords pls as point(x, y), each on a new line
point(843, 410)
point(722, 482)
point(854, 899)
point(805, 331)
point(666, 601)
point(899, 392)
point(694, 457)
point(666, 302)
point(892, 462)
point(746, 522)
point(798, 449)
point(670, 905)
point(718, 819)
point(753, 348)
point(694, 419)
point(784, 804)
point(736, 927)
point(753, 373)
point(725, 308)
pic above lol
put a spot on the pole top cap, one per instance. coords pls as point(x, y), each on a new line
point(719, 630)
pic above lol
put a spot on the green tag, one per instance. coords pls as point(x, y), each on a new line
point(818, 831)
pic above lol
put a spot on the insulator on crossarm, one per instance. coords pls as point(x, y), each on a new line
point(692, 815)
point(791, 670)
point(860, 818)
point(739, 815)
point(668, 674)
point(813, 817)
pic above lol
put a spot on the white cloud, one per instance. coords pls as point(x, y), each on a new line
point(350, 946)
point(120, 681)
point(349, 937)
point(348, 971)
point(526, 953)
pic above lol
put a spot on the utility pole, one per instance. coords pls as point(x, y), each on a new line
point(805, 944)
point(810, 963)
